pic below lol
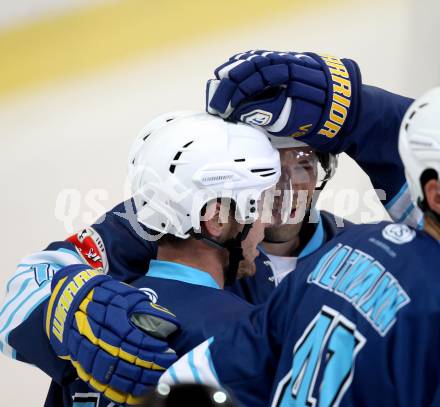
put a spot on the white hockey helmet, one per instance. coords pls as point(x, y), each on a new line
point(419, 142)
point(193, 159)
point(285, 142)
point(153, 125)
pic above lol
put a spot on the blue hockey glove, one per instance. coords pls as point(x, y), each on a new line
point(110, 331)
point(288, 94)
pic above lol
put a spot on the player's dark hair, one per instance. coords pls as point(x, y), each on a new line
point(426, 176)
point(326, 160)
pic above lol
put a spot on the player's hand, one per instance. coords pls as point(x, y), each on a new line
point(287, 93)
point(110, 331)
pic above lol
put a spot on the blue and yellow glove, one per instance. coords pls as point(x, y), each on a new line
point(110, 331)
point(289, 94)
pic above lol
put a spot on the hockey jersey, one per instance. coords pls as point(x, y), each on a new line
point(356, 324)
point(202, 308)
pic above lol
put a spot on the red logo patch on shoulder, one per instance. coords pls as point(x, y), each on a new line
point(90, 246)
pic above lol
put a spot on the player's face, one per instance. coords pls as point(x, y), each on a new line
point(299, 172)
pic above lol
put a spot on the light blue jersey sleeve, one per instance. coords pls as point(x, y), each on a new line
point(29, 287)
point(194, 367)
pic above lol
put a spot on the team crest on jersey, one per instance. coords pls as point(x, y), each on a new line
point(151, 294)
point(258, 117)
point(89, 244)
point(398, 233)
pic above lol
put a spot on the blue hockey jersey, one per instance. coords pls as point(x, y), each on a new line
point(356, 324)
point(202, 308)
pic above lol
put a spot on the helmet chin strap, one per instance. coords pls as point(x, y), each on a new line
point(233, 246)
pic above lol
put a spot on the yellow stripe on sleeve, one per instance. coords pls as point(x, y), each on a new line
point(53, 296)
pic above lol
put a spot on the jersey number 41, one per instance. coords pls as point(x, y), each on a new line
point(331, 332)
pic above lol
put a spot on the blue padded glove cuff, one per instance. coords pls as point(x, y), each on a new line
point(342, 104)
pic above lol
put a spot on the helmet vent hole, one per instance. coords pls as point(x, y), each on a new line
point(264, 172)
point(406, 126)
point(173, 166)
point(170, 119)
point(177, 156)
point(240, 160)
point(148, 135)
point(423, 105)
point(412, 114)
point(134, 159)
point(261, 169)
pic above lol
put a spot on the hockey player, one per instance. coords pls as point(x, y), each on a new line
point(297, 227)
point(297, 95)
point(119, 243)
point(318, 100)
point(195, 257)
point(357, 322)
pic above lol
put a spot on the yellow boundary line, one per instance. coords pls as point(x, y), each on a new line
point(87, 39)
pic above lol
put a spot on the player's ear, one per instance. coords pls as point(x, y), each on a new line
point(211, 222)
point(432, 194)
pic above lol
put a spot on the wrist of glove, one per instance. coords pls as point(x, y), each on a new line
point(301, 95)
point(111, 332)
